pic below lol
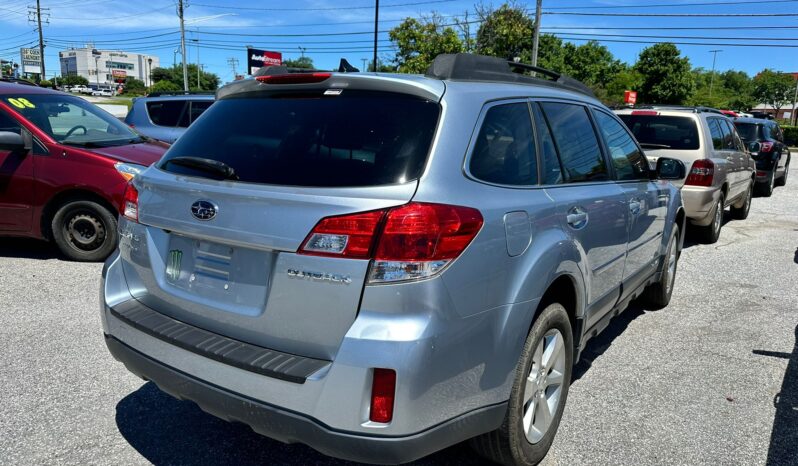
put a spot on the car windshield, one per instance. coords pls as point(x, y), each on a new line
point(749, 131)
point(355, 138)
point(72, 120)
point(664, 132)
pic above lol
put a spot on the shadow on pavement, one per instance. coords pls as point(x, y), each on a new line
point(28, 248)
point(784, 438)
point(795, 258)
point(599, 344)
point(165, 430)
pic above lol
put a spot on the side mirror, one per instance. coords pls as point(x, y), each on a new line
point(670, 169)
point(11, 141)
point(754, 147)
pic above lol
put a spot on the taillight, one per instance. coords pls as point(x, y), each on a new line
point(701, 173)
point(413, 241)
point(765, 146)
point(130, 203)
point(383, 390)
point(294, 78)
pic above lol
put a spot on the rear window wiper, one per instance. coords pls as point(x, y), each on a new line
point(648, 145)
point(215, 167)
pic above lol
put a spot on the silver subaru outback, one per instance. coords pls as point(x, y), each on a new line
point(380, 266)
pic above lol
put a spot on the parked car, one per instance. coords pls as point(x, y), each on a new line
point(765, 140)
point(64, 165)
point(721, 170)
point(380, 266)
point(80, 89)
point(103, 92)
point(166, 116)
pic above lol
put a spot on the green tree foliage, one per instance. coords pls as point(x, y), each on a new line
point(505, 32)
point(667, 78)
point(73, 80)
point(165, 86)
point(134, 86)
point(418, 42)
point(551, 53)
point(208, 81)
point(626, 79)
point(773, 88)
point(591, 63)
point(301, 62)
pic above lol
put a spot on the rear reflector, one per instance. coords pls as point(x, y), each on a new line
point(294, 78)
point(408, 242)
point(701, 173)
point(383, 391)
point(130, 203)
point(644, 112)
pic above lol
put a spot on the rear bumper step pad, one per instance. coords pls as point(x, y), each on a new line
point(264, 361)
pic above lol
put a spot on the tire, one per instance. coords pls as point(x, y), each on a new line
point(709, 234)
point(783, 180)
point(84, 231)
point(741, 213)
point(658, 295)
point(766, 189)
point(510, 443)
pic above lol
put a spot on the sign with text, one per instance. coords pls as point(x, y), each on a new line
point(630, 97)
point(31, 61)
point(256, 59)
point(119, 75)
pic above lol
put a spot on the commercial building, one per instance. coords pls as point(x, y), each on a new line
point(105, 67)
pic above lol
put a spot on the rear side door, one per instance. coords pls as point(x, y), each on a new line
point(647, 201)
point(16, 182)
point(592, 208)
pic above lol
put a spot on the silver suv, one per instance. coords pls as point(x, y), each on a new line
point(722, 172)
point(380, 266)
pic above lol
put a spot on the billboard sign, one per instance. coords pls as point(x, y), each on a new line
point(256, 59)
point(119, 75)
point(31, 61)
point(630, 97)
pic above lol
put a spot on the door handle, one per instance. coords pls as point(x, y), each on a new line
point(634, 207)
point(577, 218)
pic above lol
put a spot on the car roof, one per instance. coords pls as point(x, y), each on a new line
point(7, 88)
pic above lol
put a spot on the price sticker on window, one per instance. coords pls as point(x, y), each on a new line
point(20, 102)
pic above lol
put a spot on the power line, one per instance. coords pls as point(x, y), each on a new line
point(680, 43)
point(682, 37)
point(676, 15)
point(336, 8)
point(663, 5)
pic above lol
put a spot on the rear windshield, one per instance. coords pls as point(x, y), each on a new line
point(663, 132)
point(749, 131)
point(356, 138)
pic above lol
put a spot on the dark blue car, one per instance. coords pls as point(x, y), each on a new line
point(166, 116)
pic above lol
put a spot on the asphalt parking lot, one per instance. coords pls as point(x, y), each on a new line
point(711, 379)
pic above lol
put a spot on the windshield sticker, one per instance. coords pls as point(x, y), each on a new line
point(20, 102)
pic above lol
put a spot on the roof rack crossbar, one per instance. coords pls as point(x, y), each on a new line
point(176, 93)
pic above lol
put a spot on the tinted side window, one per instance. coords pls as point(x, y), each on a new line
point(728, 139)
point(165, 113)
point(629, 162)
point(737, 144)
point(717, 135)
point(9, 124)
point(197, 108)
point(576, 142)
point(551, 169)
point(504, 152)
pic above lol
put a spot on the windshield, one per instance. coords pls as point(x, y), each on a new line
point(72, 120)
point(664, 132)
point(354, 138)
point(748, 131)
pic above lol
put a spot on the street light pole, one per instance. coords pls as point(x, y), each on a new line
point(712, 76)
point(198, 63)
point(376, 30)
point(536, 33)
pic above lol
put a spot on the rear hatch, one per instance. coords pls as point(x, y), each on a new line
point(232, 201)
point(672, 136)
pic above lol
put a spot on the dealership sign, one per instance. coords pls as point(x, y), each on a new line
point(256, 59)
point(119, 75)
point(31, 60)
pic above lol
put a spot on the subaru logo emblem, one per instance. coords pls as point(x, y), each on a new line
point(204, 210)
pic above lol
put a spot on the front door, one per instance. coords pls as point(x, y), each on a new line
point(16, 182)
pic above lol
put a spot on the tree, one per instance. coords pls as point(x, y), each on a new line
point(626, 79)
point(551, 53)
point(741, 89)
point(208, 81)
point(591, 63)
point(418, 42)
point(73, 80)
point(134, 86)
point(301, 62)
point(773, 88)
point(666, 76)
point(505, 32)
point(165, 86)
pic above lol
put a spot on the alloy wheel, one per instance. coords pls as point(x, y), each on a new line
point(672, 258)
point(543, 389)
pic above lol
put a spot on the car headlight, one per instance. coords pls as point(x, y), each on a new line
point(129, 170)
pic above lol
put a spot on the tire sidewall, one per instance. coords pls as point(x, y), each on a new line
point(65, 213)
point(553, 316)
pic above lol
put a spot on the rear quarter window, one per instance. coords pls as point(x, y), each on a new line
point(505, 149)
point(663, 132)
point(165, 112)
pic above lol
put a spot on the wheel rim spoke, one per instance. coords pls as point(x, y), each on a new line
point(554, 379)
point(553, 350)
point(530, 389)
point(543, 415)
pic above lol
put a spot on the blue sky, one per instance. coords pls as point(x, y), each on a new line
point(225, 27)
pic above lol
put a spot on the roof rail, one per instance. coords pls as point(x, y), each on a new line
point(18, 81)
point(471, 67)
point(692, 108)
point(176, 93)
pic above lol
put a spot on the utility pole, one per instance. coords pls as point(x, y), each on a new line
point(233, 62)
point(302, 51)
point(793, 116)
point(376, 30)
point(183, 44)
point(37, 13)
point(536, 33)
point(712, 76)
point(364, 60)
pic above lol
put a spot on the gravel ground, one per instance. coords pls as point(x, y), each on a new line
point(711, 379)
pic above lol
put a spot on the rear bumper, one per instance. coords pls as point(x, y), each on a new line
point(291, 427)
point(698, 202)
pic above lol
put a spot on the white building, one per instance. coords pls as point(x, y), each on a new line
point(105, 67)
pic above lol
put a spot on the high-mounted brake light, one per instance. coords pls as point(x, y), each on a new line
point(294, 78)
point(701, 173)
point(130, 203)
point(383, 391)
point(413, 241)
point(645, 112)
